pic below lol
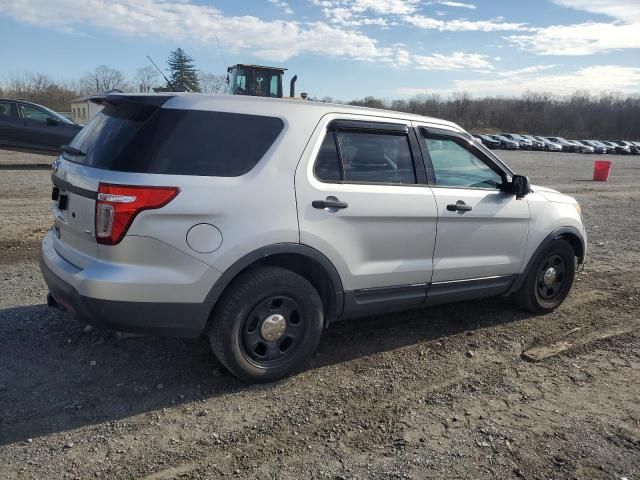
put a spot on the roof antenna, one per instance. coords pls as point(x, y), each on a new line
point(163, 75)
point(221, 53)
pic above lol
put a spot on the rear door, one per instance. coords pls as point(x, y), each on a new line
point(42, 131)
point(364, 203)
point(10, 123)
point(482, 230)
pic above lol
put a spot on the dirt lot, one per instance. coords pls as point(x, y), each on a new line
point(439, 393)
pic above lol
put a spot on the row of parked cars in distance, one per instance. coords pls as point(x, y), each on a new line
point(514, 141)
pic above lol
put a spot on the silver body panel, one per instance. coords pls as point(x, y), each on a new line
point(390, 235)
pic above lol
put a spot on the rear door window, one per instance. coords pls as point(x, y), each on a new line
point(365, 157)
point(134, 138)
point(33, 113)
point(327, 166)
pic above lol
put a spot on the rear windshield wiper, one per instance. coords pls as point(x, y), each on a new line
point(72, 150)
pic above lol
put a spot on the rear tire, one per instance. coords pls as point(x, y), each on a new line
point(267, 323)
point(549, 280)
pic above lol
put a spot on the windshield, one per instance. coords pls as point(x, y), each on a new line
point(256, 82)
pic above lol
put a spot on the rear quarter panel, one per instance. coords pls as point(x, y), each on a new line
point(250, 211)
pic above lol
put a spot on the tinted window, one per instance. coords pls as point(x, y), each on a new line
point(8, 109)
point(327, 167)
point(273, 88)
point(375, 157)
point(455, 166)
point(132, 138)
point(33, 113)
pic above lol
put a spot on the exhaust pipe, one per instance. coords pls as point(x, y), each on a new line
point(292, 86)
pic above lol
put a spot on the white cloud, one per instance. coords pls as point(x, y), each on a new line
point(356, 7)
point(389, 12)
point(346, 17)
point(589, 37)
point(459, 25)
point(384, 7)
point(453, 61)
point(276, 41)
point(447, 3)
point(283, 5)
point(580, 39)
point(186, 21)
point(625, 10)
point(516, 75)
point(594, 79)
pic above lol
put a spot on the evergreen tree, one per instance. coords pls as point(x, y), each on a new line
point(184, 76)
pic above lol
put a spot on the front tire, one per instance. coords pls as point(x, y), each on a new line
point(269, 321)
point(549, 280)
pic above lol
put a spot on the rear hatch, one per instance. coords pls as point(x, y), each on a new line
point(74, 195)
point(77, 172)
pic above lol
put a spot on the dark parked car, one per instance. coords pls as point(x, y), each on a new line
point(597, 148)
point(566, 145)
point(487, 141)
point(621, 149)
point(535, 143)
point(30, 127)
point(609, 148)
point(549, 145)
point(506, 143)
point(582, 147)
point(523, 143)
point(632, 146)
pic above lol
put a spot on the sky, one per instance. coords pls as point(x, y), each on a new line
point(344, 49)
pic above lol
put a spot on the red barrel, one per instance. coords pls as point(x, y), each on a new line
point(601, 169)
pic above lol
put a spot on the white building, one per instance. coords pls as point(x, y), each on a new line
point(83, 110)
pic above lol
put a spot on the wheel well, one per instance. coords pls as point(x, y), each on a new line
point(313, 271)
point(575, 243)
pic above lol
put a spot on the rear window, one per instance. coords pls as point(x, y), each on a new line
point(142, 139)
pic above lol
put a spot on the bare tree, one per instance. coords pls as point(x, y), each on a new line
point(581, 115)
point(146, 78)
point(39, 88)
point(212, 83)
point(103, 79)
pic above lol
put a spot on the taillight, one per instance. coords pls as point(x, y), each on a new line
point(118, 205)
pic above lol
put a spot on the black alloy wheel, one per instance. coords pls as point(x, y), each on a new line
point(273, 330)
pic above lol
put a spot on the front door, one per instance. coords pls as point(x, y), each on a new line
point(482, 229)
point(41, 131)
point(363, 203)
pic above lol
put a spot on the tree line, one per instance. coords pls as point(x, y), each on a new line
point(578, 116)
point(182, 76)
point(581, 115)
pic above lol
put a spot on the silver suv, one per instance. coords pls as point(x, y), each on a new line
point(259, 222)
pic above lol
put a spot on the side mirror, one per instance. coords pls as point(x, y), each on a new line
point(52, 122)
point(520, 186)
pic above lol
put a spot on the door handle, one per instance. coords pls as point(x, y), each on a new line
point(459, 206)
point(330, 202)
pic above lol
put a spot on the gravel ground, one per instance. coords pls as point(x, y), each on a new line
point(437, 393)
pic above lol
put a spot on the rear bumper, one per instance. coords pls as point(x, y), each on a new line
point(158, 318)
